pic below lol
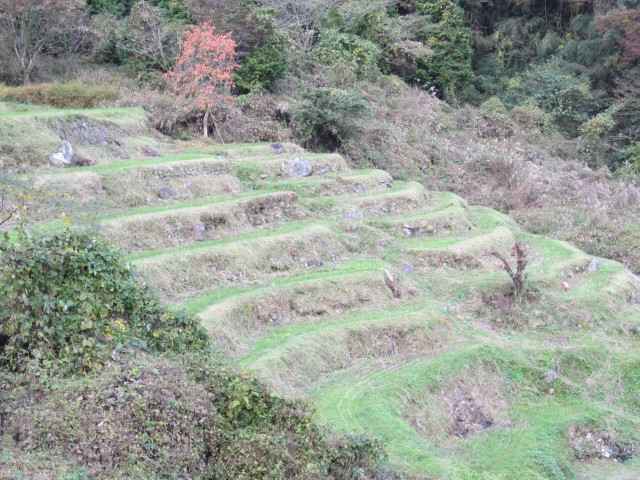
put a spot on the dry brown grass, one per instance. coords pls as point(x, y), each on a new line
point(236, 323)
point(180, 274)
point(292, 369)
point(173, 228)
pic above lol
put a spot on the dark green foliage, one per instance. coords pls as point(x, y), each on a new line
point(172, 9)
point(178, 416)
point(328, 117)
point(119, 8)
point(557, 90)
point(267, 59)
point(69, 299)
point(262, 67)
point(633, 156)
point(347, 52)
point(449, 68)
point(357, 451)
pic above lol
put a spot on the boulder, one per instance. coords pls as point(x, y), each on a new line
point(359, 187)
point(165, 193)
point(63, 156)
point(298, 167)
point(593, 266)
point(407, 268)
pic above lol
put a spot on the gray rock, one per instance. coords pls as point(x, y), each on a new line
point(407, 268)
point(324, 169)
point(593, 266)
point(63, 156)
point(198, 231)
point(277, 148)
point(188, 185)
point(359, 188)
point(298, 167)
point(165, 193)
point(550, 376)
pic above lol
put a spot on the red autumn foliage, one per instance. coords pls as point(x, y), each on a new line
point(203, 73)
point(627, 20)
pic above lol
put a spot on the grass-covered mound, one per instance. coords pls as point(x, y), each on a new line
point(99, 380)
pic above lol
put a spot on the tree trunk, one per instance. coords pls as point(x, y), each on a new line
point(26, 77)
point(218, 131)
point(205, 129)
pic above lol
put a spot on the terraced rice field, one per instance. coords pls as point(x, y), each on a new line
point(377, 300)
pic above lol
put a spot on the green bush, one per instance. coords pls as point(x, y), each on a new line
point(267, 59)
point(70, 298)
point(178, 416)
point(633, 156)
point(593, 138)
point(346, 51)
point(119, 8)
point(493, 105)
point(171, 9)
point(60, 95)
point(449, 68)
point(262, 67)
point(328, 117)
point(554, 88)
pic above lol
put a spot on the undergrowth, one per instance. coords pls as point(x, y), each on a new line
point(92, 359)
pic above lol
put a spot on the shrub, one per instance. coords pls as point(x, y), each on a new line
point(449, 68)
point(172, 9)
point(554, 88)
point(633, 155)
point(177, 416)
point(266, 60)
point(531, 117)
point(493, 105)
point(60, 95)
point(593, 136)
point(346, 51)
point(70, 299)
point(327, 117)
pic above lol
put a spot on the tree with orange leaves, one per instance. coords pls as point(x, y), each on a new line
point(203, 73)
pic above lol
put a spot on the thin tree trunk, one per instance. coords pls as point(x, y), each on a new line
point(205, 129)
point(217, 130)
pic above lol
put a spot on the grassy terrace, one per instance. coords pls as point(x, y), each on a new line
point(327, 296)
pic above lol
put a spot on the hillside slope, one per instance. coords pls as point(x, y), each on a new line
point(377, 300)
